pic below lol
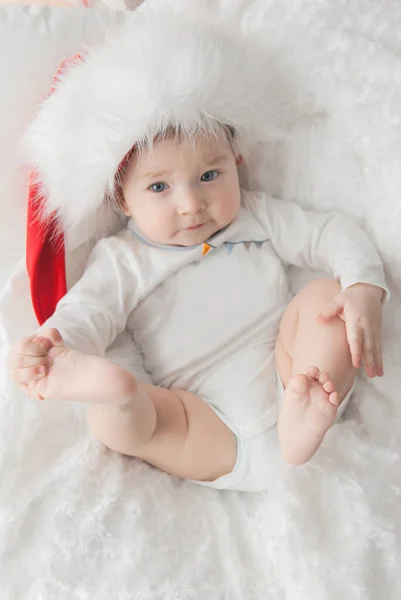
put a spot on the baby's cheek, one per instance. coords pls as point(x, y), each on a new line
point(230, 206)
point(159, 222)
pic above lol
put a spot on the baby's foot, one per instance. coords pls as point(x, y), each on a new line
point(309, 409)
point(85, 378)
point(77, 376)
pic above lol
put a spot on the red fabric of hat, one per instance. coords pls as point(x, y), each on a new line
point(45, 248)
point(45, 259)
point(45, 252)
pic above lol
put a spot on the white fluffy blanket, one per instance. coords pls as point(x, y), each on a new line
point(79, 522)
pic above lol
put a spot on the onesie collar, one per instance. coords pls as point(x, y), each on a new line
point(142, 238)
point(244, 229)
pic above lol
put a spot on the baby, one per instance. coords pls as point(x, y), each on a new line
point(244, 374)
point(197, 276)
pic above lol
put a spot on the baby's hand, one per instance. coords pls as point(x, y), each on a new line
point(28, 362)
point(360, 307)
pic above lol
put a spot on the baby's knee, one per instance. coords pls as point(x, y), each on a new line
point(123, 428)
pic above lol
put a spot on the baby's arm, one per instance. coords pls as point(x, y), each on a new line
point(326, 241)
point(96, 308)
point(88, 318)
point(334, 243)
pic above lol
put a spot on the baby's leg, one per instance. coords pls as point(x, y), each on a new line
point(188, 440)
point(173, 430)
point(315, 366)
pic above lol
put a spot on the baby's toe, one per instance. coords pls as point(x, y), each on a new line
point(312, 372)
point(328, 387)
point(299, 384)
point(323, 377)
point(334, 399)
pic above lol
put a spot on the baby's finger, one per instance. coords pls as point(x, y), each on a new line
point(28, 374)
point(27, 391)
point(369, 355)
point(20, 361)
point(27, 346)
point(331, 311)
point(355, 341)
point(379, 359)
point(44, 342)
point(52, 335)
point(31, 391)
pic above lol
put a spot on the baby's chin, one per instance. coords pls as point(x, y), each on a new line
point(194, 237)
point(189, 237)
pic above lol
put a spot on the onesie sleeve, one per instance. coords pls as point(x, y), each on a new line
point(95, 310)
point(326, 241)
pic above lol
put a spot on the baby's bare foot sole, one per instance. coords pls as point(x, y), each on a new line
point(309, 409)
point(84, 378)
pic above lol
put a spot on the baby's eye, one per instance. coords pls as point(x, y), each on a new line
point(158, 187)
point(209, 176)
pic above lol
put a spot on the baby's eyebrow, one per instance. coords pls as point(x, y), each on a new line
point(215, 159)
point(156, 174)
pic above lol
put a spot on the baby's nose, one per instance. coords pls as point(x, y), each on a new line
point(193, 202)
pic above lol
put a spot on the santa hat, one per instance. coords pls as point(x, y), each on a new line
point(161, 70)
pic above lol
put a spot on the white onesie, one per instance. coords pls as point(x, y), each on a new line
point(206, 317)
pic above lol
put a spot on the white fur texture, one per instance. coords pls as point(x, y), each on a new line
point(161, 69)
point(79, 522)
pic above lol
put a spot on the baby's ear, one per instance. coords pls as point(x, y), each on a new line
point(124, 207)
point(239, 159)
point(120, 202)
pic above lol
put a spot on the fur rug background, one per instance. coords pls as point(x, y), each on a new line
point(79, 522)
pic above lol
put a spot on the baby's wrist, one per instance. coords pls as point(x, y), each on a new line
point(371, 288)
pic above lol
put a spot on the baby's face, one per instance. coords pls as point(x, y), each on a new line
point(181, 193)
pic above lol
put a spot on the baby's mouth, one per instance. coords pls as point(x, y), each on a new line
point(194, 227)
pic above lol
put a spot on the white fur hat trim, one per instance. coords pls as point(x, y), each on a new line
point(160, 69)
